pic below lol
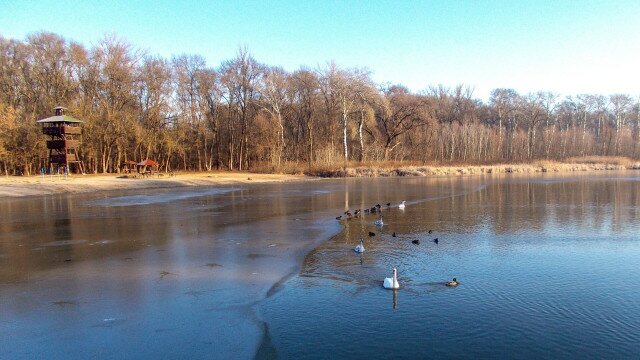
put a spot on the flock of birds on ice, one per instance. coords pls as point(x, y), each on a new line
point(391, 282)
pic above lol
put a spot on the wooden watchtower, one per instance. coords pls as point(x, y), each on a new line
point(65, 134)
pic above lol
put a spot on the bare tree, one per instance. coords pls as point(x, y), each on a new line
point(305, 90)
point(620, 104)
point(274, 92)
point(241, 76)
point(399, 113)
point(190, 116)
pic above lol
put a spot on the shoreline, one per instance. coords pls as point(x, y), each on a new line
point(22, 186)
point(453, 170)
point(265, 349)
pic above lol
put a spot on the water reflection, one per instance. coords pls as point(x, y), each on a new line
point(538, 257)
point(395, 299)
point(63, 231)
point(542, 211)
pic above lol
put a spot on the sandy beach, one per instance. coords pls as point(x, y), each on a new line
point(18, 186)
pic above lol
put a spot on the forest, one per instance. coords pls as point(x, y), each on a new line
point(246, 115)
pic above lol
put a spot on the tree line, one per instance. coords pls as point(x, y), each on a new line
point(246, 115)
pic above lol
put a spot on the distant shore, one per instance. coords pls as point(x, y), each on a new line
point(19, 186)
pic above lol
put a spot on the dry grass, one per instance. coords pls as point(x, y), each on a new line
point(288, 168)
point(300, 168)
point(613, 160)
point(411, 169)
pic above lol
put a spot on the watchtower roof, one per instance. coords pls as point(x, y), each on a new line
point(59, 117)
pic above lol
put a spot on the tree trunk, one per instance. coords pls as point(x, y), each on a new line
point(104, 159)
point(310, 135)
point(618, 121)
point(584, 133)
point(282, 144)
point(360, 136)
point(549, 140)
point(453, 143)
point(344, 136)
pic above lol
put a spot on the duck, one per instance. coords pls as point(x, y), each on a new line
point(379, 222)
point(394, 234)
point(360, 247)
point(435, 240)
point(416, 241)
point(402, 204)
point(366, 211)
point(372, 234)
point(388, 204)
point(453, 282)
point(378, 206)
point(430, 231)
point(392, 282)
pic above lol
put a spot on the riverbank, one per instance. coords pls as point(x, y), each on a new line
point(19, 186)
point(437, 170)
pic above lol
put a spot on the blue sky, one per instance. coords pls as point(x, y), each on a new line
point(568, 47)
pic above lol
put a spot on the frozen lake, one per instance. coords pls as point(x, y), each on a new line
point(548, 267)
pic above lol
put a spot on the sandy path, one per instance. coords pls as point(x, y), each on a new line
point(17, 186)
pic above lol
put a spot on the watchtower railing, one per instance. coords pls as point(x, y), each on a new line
point(63, 158)
point(61, 130)
point(61, 144)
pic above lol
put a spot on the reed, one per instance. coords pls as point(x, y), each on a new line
point(387, 169)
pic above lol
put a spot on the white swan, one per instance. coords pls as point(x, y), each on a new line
point(379, 222)
point(360, 248)
point(392, 283)
point(402, 206)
